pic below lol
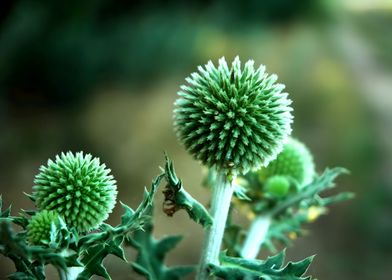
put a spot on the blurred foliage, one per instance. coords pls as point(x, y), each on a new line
point(376, 26)
point(62, 50)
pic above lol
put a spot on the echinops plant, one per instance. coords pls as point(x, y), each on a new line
point(295, 162)
point(77, 187)
point(42, 225)
point(236, 120)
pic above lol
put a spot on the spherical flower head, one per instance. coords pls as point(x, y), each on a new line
point(233, 119)
point(40, 226)
point(78, 187)
point(277, 186)
point(295, 162)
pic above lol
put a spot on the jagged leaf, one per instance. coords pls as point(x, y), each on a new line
point(305, 206)
point(96, 246)
point(25, 276)
point(29, 259)
point(151, 255)
point(285, 230)
point(232, 268)
point(233, 237)
point(92, 257)
point(5, 213)
point(310, 193)
point(176, 198)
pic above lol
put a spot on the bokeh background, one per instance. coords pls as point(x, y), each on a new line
point(101, 76)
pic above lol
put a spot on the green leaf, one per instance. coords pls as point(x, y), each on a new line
point(310, 193)
point(271, 269)
point(21, 220)
point(151, 255)
point(94, 247)
point(22, 276)
point(128, 213)
point(302, 207)
point(281, 228)
point(132, 220)
point(233, 237)
point(6, 213)
point(29, 259)
point(92, 257)
point(177, 198)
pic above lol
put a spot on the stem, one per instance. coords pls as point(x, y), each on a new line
point(73, 272)
point(62, 274)
point(256, 236)
point(220, 204)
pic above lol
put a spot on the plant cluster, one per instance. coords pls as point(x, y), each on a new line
point(237, 122)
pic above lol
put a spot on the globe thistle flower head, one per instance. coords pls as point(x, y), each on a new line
point(78, 187)
point(295, 162)
point(40, 227)
point(232, 118)
point(277, 186)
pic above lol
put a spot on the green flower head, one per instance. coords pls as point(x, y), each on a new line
point(40, 226)
point(233, 119)
point(277, 186)
point(78, 187)
point(295, 162)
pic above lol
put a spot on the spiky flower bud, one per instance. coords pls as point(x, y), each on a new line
point(295, 162)
point(277, 186)
point(78, 187)
point(40, 226)
point(233, 119)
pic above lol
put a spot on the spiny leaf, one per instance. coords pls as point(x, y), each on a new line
point(166, 244)
point(271, 269)
point(233, 237)
point(279, 229)
point(96, 246)
point(128, 213)
point(305, 206)
point(325, 201)
point(25, 276)
point(151, 255)
point(176, 198)
point(93, 257)
point(129, 219)
point(310, 192)
point(20, 220)
point(29, 259)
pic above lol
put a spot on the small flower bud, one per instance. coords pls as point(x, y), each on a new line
point(294, 162)
point(40, 226)
point(277, 186)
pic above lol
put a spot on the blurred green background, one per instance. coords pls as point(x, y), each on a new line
point(101, 76)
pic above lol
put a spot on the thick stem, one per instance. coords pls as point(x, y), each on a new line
point(256, 236)
point(220, 204)
point(73, 272)
point(62, 274)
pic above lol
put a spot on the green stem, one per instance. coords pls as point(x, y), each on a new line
point(256, 236)
point(73, 272)
point(62, 274)
point(220, 204)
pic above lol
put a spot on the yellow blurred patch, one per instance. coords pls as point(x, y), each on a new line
point(314, 212)
point(293, 235)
